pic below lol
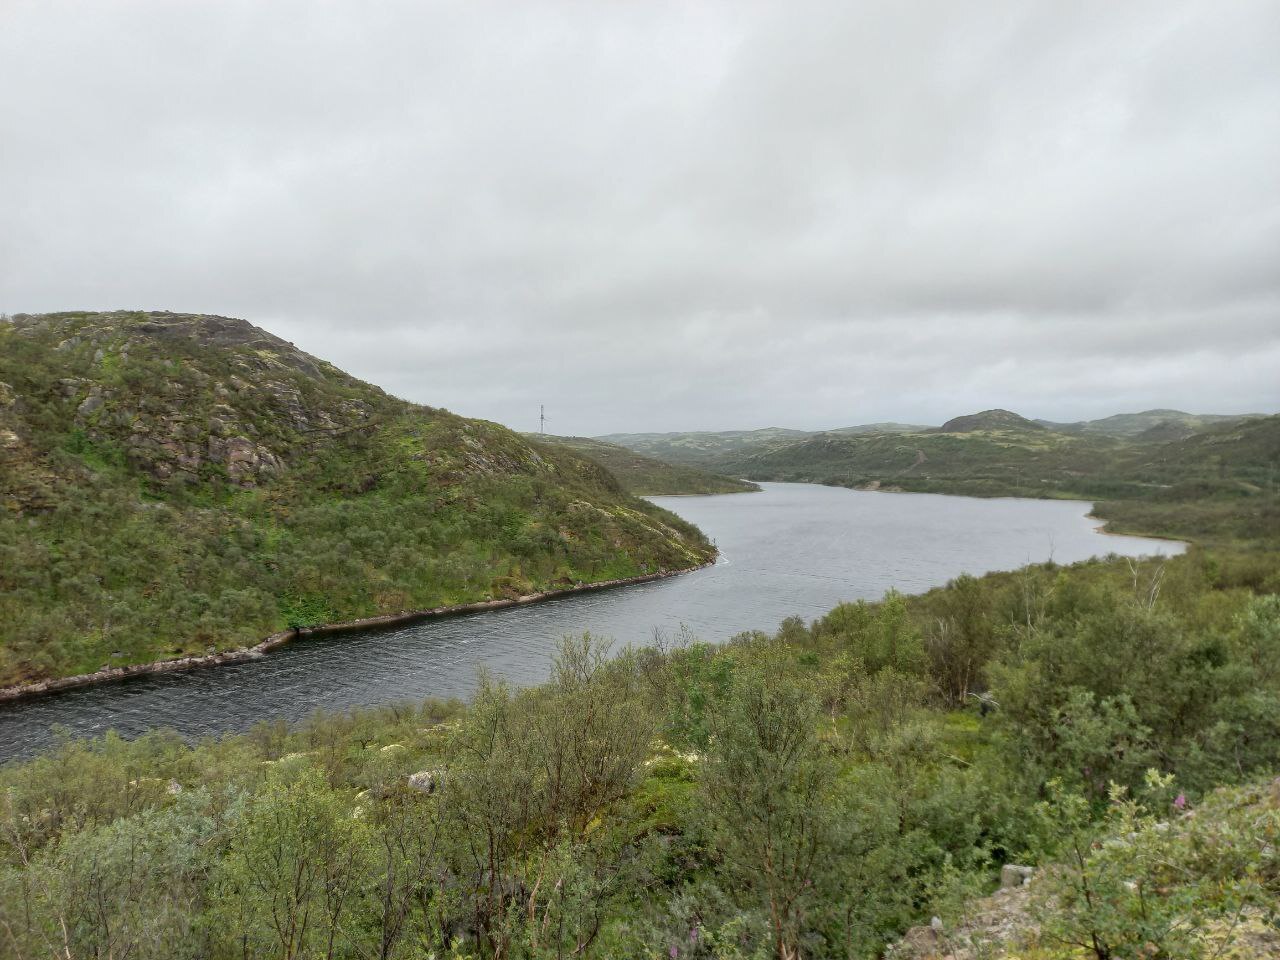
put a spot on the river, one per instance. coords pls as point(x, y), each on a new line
point(793, 549)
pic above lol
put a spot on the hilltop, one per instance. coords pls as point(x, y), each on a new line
point(989, 420)
point(179, 483)
point(646, 476)
point(884, 426)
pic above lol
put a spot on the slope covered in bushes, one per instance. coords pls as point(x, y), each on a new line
point(810, 793)
point(174, 483)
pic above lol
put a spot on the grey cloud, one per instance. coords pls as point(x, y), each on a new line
point(664, 215)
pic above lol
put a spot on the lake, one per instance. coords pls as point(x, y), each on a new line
point(793, 549)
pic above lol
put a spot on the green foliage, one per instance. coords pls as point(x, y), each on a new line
point(646, 476)
point(293, 863)
point(1159, 880)
point(305, 611)
point(766, 791)
point(809, 793)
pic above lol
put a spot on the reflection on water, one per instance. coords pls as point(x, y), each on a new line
point(792, 549)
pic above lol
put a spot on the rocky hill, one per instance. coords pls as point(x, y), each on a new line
point(989, 420)
point(175, 483)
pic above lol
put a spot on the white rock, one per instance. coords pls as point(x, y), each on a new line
point(1014, 875)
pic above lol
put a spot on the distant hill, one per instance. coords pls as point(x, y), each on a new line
point(1164, 472)
point(1163, 424)
point(989, 420)
point(994, 453)
point(703, 449)
point(646, 476)
point(885, 427)
point(1222, 481)
point(1242, 455)
point(1165, 432)
point(172, 483)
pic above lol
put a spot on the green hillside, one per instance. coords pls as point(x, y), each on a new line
point(978, 456)
point(1217, 484)
point(1162, 421)
point(724, 450)
point(704, 449)
point(646, 476)
point(176, 483)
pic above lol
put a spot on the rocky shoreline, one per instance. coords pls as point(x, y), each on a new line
point(38, 688)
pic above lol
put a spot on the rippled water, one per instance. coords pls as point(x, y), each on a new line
point(792, 549)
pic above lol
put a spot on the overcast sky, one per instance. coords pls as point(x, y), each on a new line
point(661, 216)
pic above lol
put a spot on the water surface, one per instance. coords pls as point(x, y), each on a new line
point(793, 549)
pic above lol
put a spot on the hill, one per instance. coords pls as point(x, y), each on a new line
point(704, 449)
point(994, 453)
point(1220, 483)
point(177, 483)
point(882, 427)
point(724, 450)
point(989, 420)
point(1162, 424)
point(647, 476)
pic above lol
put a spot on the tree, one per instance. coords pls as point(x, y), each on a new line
point(766, 787)
point(292, 869)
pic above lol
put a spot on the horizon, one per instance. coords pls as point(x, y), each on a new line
point(712, 430)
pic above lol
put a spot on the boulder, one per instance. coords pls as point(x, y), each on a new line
point(426, 781)
point(1015, 875)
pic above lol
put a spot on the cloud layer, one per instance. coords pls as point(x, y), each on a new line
point(669, 216)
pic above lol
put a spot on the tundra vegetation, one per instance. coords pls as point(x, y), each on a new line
point(809, 793)
point(174, 484)
point(646, 476)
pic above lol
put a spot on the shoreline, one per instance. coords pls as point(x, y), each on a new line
point(1102, 522)
point(1102, 529)
point(37, 688)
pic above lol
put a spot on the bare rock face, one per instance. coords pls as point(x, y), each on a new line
point(246, 461)
point(93, 402)
point(269, 351)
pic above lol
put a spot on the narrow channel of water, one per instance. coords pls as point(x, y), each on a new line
point(793, 549)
